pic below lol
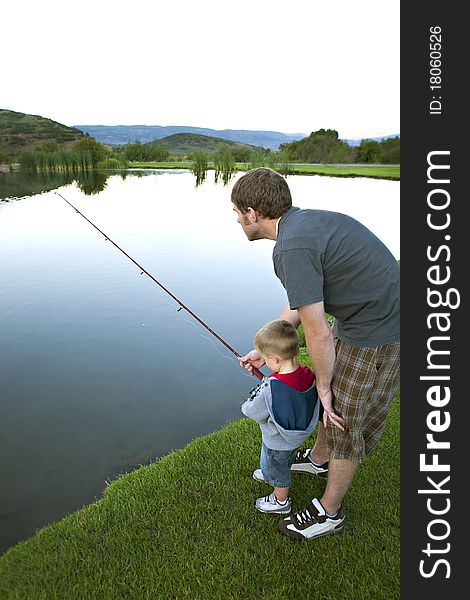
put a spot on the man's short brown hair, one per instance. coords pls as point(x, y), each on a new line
point(264, 190)
point(278, 337)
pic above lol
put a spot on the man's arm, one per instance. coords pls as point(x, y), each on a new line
point(290, 315)
point(321, 349)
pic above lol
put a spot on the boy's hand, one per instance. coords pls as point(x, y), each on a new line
point(250, 360)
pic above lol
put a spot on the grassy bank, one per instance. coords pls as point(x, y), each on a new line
point(186, 528)
point(378, 171)
point(161, 165)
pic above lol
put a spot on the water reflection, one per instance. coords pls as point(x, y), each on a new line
point(17, 184)
point(199, 166)
point(20, 184)
point(224, 175)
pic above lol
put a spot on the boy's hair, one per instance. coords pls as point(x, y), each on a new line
point(263, 190)
point(278, 337)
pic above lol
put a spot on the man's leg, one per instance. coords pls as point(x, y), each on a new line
point(325, 516)
point(340, 476)
point(313, 461)
point(319, 453)
point(364, 384)
point(340, 473)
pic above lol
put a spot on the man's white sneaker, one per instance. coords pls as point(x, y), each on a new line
point(270, 504)
point(312, 522)
point(303, 464)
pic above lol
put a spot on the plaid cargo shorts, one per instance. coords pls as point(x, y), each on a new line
point(365, 381)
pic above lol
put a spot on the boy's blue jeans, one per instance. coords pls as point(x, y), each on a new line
point(276, 464)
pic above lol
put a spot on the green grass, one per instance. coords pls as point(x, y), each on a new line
point(379, 172)
point(161, 165)
point(185, 527)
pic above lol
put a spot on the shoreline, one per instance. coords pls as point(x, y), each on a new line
point(389, 172)
point(174, 529)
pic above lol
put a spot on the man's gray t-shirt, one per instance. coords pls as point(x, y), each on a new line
point(326, 256)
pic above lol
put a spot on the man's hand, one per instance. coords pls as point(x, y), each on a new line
point(326, 398)
point(250, 360)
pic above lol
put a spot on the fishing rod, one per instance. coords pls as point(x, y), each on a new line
point(256, 372)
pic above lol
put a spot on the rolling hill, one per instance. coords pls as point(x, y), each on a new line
point(185, 143)
point(119, 135)
point(20, 132)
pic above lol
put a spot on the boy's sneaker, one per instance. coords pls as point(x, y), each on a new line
point(258, 475)
point(270, 504)
point(304, 464)
point(312, 522)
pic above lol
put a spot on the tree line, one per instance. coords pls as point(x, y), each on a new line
point(87, 154)
point(325, 147)
point(322, 146)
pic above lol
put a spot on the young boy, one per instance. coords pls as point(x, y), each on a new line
point(286, 406)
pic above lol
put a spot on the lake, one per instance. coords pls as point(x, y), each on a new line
point(100, 372)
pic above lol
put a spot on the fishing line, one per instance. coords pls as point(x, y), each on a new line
point(201, 335)
point(255, 371)
point(205, 337)
point(216, 348)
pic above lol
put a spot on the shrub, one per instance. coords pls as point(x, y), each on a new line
point(112, 163)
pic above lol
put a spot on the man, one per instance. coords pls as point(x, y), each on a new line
point(330, 263)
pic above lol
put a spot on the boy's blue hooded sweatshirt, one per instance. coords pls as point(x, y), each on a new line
point(286, 416)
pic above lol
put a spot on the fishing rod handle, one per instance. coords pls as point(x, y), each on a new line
point(254, 371)
point(257, 373)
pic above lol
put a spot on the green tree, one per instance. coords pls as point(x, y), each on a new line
point(241, 153)
point(92, 149)
point(160, 153)
point(134, 152)
point(368, 152)
point(322, 146)
point(389, 151)
point(47, 146)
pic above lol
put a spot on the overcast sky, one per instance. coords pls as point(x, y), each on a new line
point(293, 67)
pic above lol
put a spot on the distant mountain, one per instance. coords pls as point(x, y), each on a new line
point(374, 139)
point(117, 135)
point(185, 143)
point(20, 132)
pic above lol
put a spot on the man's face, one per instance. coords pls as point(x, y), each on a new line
point(251, 228)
